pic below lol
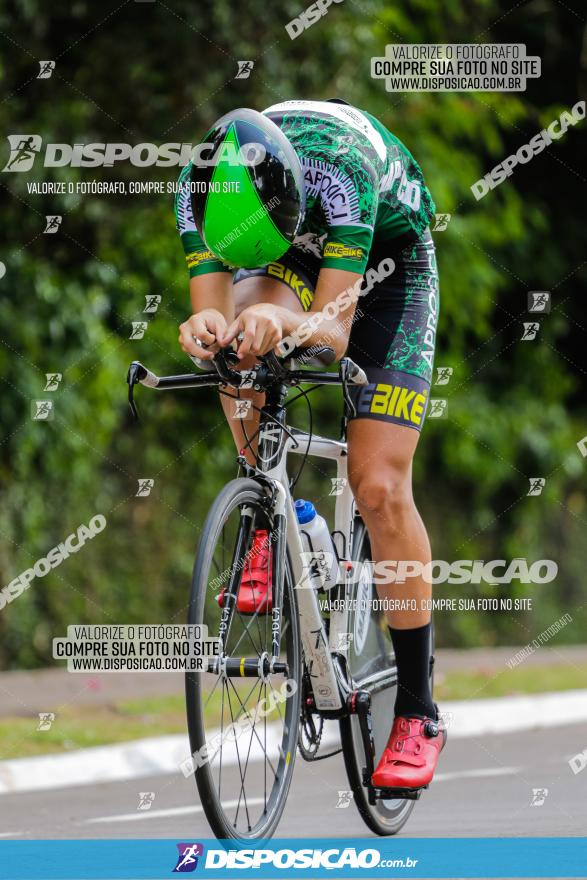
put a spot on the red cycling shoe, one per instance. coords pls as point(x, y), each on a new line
point(254, 592)
point(411, 755)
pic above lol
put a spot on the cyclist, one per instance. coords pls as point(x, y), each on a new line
point(310, 221)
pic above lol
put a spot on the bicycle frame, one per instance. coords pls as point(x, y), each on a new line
point(276, 442)
point(325, 657)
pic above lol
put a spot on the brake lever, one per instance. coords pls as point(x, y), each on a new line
point(350, 374)
point(132, 378)
point(273, 364)
point(230, 376)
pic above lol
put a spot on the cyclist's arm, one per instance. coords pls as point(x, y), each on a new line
point(337, 287)
point(212, 310)
point(344, 260)
point(264, 325)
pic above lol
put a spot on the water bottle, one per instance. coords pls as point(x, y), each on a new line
point(317, 541)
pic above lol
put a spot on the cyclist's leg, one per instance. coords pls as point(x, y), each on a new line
point(393, 340)
point(290, 283)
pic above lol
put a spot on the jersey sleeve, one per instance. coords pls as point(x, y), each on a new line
point(200, 260)
point(347, 247)
point(351, 208)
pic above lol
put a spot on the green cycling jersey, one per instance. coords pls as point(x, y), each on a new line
point(362, 185)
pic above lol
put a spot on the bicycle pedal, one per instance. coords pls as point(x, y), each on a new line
point(408, 794)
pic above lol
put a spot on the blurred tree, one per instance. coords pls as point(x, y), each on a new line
point(162, 72)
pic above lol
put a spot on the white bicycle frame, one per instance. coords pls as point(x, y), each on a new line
point(318, 652)
point(276, 441)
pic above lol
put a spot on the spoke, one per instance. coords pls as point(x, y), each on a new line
point(258, 737)
point(265, 745)
point(224, 690)
point(274, 690)
point(239, 764)
point(240, 713)
point(231, 562)
point(205, 706)
point(247, 631)
point(246, 764)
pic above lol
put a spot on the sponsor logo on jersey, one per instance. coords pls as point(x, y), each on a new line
point(293, 281)
point(343, 251)
point(336, 191)
point(409, 192)
point(197, 257)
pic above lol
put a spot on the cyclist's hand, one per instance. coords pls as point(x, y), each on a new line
point(206, 326)
point(261, 326)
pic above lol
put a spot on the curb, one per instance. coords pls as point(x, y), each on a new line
point(163, 754)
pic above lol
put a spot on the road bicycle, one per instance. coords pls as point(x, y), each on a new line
point(280, 674)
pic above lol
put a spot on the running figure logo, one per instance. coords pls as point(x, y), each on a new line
point(539, 301)
point(443, 375)
point(23, 149)
point(438, 408)
point(53, 222)
point(539, 795)
point(245, 69)
point(138, 329)
point(531, 329)
point(46, 68)
point(344, 799)
point(146, 799)
point(441, 222)
point(536, 485)
point(188, 857)
point(53, 380)
point(42, 410)
point(338, 485)
point(152, 302)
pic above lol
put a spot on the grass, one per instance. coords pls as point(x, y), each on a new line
point(156, 716)
point(87, 726)
point(478, 683)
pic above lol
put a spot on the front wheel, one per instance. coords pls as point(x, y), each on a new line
point(243, 725)
point(371, 667)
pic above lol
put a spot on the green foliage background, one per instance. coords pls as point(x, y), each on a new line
point(163, 71)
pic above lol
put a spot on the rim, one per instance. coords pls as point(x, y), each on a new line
point(246, 724)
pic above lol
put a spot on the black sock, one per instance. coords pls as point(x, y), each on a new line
point(412, 656)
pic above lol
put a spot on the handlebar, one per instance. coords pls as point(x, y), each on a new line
point(269, 372)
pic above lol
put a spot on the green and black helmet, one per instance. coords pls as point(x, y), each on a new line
point(247, 188)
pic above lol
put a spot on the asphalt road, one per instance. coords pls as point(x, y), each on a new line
point(484, 788)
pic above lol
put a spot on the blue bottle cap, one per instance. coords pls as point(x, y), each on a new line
point(305, 511)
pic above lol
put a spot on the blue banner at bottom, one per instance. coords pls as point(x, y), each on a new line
point(554, 857)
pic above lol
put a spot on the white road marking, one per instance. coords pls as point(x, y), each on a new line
point(161, 814)
point(473, 774)
point(186, 811)
point(11, 833)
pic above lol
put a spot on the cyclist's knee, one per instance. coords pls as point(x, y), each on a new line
point(383, 493)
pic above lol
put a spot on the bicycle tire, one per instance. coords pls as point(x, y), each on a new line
point(241, 491)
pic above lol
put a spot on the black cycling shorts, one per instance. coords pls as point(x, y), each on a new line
point(393, 333)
